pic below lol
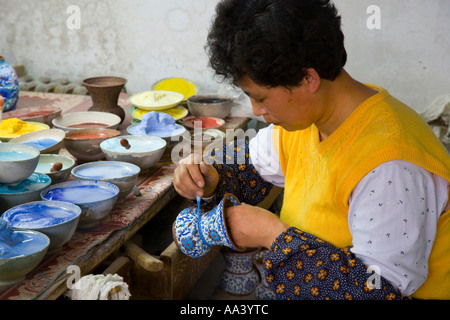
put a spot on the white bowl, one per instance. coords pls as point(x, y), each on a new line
point(18, 260)
point(46, 163)
point(46, 141)
point(122, 174)
point(87, 120)
point(25, 191)
point(144, 151)
point(17, 162)
point(56, 219)
point(95, 198)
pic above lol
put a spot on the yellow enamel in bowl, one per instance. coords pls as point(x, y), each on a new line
point(156, 100)
point(13, 127)
point(177, 112)
point(186, 87)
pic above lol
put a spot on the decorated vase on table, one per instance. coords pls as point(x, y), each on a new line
point(239, 277)
point(195, 232)
point(9, 86)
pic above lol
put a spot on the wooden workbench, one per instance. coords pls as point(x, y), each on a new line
point(89, 248)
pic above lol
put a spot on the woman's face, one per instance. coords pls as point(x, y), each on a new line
point(293, 109)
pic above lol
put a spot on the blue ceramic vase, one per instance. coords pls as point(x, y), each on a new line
point(9, 85)
point(196, 232)
point(240, 278)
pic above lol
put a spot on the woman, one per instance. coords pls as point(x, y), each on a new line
point(365, 179)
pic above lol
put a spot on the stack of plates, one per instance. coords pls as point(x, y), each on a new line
point(166, 95)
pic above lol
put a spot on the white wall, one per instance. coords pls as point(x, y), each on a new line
point(146, 40)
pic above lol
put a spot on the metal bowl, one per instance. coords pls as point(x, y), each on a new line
point(210, 105)
point(56, 219)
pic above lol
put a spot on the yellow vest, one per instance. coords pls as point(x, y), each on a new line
point(320, 175)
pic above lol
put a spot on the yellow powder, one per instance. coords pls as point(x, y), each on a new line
point(16, 127)
point(180, 85)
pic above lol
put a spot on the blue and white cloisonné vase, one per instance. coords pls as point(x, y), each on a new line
point(196, 232)
point(9, 85)
point(240, 277)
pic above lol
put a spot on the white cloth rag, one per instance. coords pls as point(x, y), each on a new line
point(98, 287)
point(439, 109)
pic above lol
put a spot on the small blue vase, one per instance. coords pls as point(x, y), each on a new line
point(196, 232)
point(9, 85)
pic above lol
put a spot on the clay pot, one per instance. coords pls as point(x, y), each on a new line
point(105, 92)
point(196, 232)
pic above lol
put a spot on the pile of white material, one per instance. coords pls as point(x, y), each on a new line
point(438, 117)
point(99, 287)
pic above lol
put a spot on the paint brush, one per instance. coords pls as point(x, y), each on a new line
point(198, 203)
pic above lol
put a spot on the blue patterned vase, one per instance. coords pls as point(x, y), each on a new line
point(196, 232)
point(240, 277)
point(9, 85)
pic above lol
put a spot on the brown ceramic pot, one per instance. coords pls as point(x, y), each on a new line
point(105, 92)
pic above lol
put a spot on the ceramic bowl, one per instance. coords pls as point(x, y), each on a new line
point(56, 219)
point(43, 114)
point(210, 137)
point(17, 162)
point(87, 120)
point(173, 138)
point(180, 85)
point(46, 141)
point(48, 161)
point(144, 151)
point(28, 190)
point(203, 123)
point(84, 144)
point(28, 251)
point(95, 198)
point(122, 174)
point(210, 105)
point(156, 99)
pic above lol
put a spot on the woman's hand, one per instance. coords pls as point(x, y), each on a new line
point(252, 226)
point(195, 178)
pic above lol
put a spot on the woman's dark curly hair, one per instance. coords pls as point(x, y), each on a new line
point(273, 42)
